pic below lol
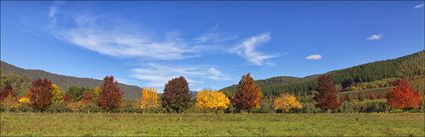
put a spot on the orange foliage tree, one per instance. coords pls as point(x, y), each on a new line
point(211, 100)
point(403, 97)
point(149, 98)
point(248, 94)
point(111, 95)
point(286, 102)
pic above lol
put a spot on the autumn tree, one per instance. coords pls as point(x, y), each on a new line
point(414, 71)
point(286, 102)
point(149, 98)
point(111, 95)
point(57, 94)
point(6, 91)
point(40, 94)
point(211, 100)
point(87, 97)
point(176, 95)
point(326, 97)
point(403, 96)
point(248, 94)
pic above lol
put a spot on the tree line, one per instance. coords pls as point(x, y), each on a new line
point(45, 96)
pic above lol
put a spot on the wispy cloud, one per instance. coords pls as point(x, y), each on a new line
point(314, 57)
point(119, 40)
point(419, 6)
point(158, 75)
point(122, 38)
point(247, 49)
point(213, 36)
point(375, 37)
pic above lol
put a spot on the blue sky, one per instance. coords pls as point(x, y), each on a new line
point(212, 44)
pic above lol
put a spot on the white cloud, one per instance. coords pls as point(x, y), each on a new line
point(419, 6)
point(213, 36)
point(314, 57)
point(247, 49)
point(375, 37)
point(158, 75)
point(124, 39)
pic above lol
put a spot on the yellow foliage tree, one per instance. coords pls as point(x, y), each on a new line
point(286, 102)
point(57, 93)
point(97, 91)
point(211, 100)
point(149, 98)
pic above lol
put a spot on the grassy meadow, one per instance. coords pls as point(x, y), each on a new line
point(129, 124)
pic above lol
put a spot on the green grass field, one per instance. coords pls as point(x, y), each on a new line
point(103, 124)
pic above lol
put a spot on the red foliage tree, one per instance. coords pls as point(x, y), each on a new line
point(248, 94)
point(40, 94)
point(326, 97)
point(111, 95)
point(6, 91)
point(87, 97)
point(403, 96)
point(67, 98)
point(176, 95)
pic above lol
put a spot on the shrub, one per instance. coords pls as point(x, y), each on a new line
point(76, 106)
point(403, 97)
point(40, 94)
point(149, 99)
point(58, 107)
point(111, 95)
point(372, 96)
point(24, 100)
point(248, 94)
point(309, 108)
point(286, 102)
point(266, 106)
point(89, 108)
point(326, 97)
point(211, 100)
point(9, 103)
point(176, 97)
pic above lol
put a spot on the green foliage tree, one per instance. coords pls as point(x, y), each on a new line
point(176, 97)
point(76, 93)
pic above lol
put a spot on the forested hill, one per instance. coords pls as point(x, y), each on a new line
point(64, 82)
point(345, 77)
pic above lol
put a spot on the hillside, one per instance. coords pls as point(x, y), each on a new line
point(345, 77)
point(130, 92)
